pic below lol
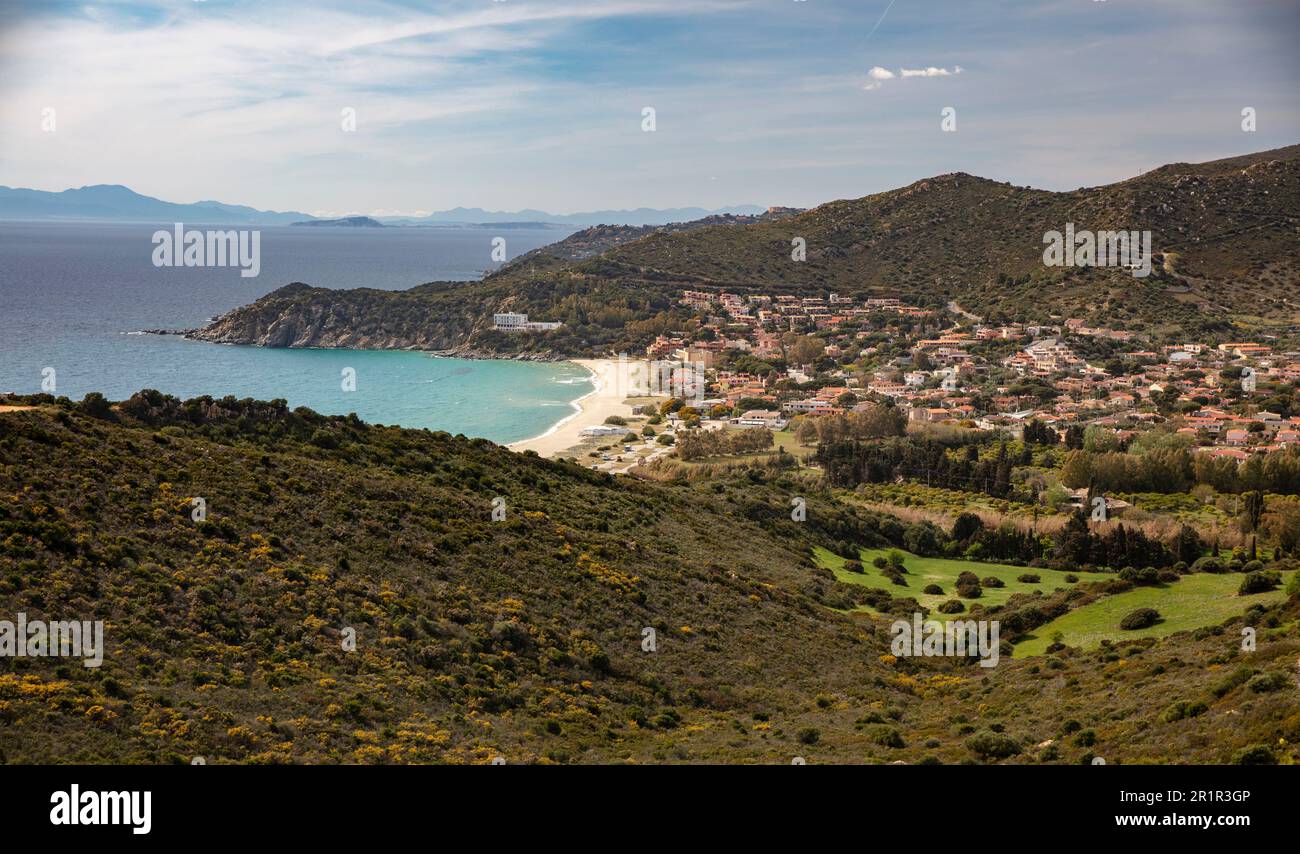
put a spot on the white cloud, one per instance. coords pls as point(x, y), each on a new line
point(929, 72)
point(878, 74)
point(248, 98)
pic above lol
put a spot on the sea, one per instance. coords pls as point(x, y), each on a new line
point(75, 299)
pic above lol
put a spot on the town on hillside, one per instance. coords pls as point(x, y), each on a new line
point(768, 359)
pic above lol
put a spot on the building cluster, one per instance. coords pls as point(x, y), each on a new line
point(954, 370)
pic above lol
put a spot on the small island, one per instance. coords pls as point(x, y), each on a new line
point(345, 222)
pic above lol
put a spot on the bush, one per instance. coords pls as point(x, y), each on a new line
point(809, 735)
point(323, 438)
point(1147, 575)
point(887, 736)
point(665, 439)
point(616, 420)
point(1266, 683)
point(1259, 754)
point(993, 581)
point(1071, 578)
point(1238, 677)
point(952, 606)
point(1183, 709)
point(921, 539)
point(992, 745)
point(1208, 564)
point(879, 562)
point(933, 590)
point(1259, 581)
point(1142, 618)
point(1029, 578)
point(853, 566)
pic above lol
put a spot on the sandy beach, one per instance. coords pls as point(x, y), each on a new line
point(593, 408)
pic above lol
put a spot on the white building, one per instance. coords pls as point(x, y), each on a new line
point(509, 321)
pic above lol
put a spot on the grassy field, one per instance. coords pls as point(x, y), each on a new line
point(781, 439)
point(922, 571)
point(949, 501)
point(1193, 602)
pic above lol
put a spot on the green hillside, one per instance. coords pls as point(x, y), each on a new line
point(1228, 229)
point(519, 638)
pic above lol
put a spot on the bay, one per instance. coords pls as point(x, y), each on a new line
point(76, 297)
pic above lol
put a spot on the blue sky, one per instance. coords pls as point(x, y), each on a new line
point(538, 103)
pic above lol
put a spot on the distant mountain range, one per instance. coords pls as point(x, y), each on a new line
point(116, 203)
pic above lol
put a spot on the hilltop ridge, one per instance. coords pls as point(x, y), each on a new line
point(1223, 239)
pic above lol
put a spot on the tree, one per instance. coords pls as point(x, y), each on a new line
point(966, 526)
point(802, 349)
point(1187, 545)
point(95, 405)
point(1285, 527)
point(1038, 433)
point(1252, 511)
point(1076, 471)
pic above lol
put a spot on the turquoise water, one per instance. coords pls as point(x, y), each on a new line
point(74, 297)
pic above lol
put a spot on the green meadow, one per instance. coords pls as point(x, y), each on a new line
point(923, 571)
point(1193, 602)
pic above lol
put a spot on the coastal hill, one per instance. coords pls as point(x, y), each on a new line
point(1226, 233)
point(596, 240)
point(1223, 237)
point(229, 637)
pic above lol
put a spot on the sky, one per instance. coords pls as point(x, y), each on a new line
point(511, 104)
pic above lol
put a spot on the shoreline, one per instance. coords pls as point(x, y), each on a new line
point(590, 410)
